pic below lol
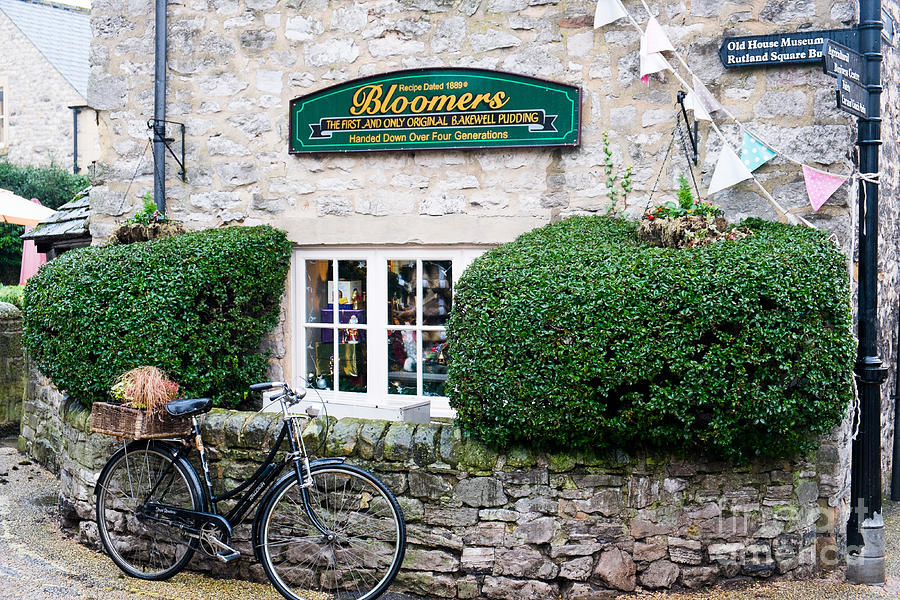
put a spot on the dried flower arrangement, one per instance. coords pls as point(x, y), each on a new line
point(146, 388)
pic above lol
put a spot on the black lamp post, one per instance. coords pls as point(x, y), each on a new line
point(865, 529)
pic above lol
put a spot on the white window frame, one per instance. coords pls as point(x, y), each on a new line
point(376, 325)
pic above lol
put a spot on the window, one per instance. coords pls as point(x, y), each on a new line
point(371, 324)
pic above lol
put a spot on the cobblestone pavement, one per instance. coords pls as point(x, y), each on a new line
point(39, 562)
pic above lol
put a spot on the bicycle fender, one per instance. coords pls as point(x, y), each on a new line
point(165, 448)
point(336, 460)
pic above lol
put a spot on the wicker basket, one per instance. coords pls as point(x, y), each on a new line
point(122, 421)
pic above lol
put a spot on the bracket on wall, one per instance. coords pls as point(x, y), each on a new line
point(158, 127)
point(691, 131)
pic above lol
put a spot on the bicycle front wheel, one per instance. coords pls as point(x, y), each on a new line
point(356, 556)
point(139, 542)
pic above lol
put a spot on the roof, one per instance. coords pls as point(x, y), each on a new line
point(71, 221)
point(62, 34)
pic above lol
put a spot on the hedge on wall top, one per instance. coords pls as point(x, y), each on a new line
point(195, 305)
point(578, 336)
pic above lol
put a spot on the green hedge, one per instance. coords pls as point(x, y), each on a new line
point(195, 305)
point(578, 336)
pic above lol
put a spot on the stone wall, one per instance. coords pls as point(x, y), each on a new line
point(12, 366)
point(519, 524)
point(234, 65)
point(889, 232)
point(37, 98)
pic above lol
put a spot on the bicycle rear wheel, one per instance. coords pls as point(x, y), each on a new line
point(356, 558)
point(140, 545)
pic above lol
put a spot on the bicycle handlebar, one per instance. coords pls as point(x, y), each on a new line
point(290, 397)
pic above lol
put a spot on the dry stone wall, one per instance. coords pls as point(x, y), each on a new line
point(518, 524)
point(12, 366)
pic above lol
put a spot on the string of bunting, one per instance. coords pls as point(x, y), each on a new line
point(730, 169)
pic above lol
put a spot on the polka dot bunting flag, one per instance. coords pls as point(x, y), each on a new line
point(820, 186)
point(754, 154)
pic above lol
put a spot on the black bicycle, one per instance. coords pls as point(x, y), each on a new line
point(323, 529)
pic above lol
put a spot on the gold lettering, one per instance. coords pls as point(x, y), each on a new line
point(418, 104)
point(366, 99)
point(499, 100)
point(464, 101)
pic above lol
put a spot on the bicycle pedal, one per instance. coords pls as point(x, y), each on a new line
point(226, 556)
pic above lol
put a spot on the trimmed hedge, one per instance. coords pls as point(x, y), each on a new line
point(195, 305)
point(578, 336)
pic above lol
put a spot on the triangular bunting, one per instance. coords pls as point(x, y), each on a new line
point(692, 102)
point(820, 186)
point(651, 62)
point(657, 40)
point(607, 12)
point(729, 171)
point(705, 96)
point(754, 153)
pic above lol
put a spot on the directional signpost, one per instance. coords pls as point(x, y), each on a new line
point(781, 48)
point(848, 66)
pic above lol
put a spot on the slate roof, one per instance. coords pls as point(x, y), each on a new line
point(62, 34)
point(70, 221)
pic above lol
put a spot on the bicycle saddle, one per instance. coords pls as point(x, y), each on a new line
point(188, 407)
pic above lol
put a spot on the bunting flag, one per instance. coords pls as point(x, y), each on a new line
point(657, 40)
point(729, 171)
point(607, 12)
point(705, 96)
point(754, 153)
point(651, 62)
point(692, 102)
point(820, 186)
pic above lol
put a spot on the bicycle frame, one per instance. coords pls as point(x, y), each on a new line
point(249, 491)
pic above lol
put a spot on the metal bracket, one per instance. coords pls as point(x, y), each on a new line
point(158, 127)
point(692, 135)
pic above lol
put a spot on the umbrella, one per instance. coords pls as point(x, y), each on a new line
point(19, 211)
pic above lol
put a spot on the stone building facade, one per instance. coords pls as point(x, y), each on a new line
point(234, 66)
point(43, 72)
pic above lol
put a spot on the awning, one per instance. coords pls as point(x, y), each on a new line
point(19, 211)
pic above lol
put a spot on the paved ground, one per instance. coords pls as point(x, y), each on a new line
point(38, 562)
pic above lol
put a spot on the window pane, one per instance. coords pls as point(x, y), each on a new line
point(402, 362)
point(318, 273)
point(437, 289)
point(320, 358)
point(402, 275)
point(352, 287)
point(352, 346)
point(434, 363)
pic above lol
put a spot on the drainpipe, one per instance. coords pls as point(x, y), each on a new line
point(865, 529)
point(75, 110)
point(159, 110)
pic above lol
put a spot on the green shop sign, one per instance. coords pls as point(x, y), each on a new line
point(426, 109)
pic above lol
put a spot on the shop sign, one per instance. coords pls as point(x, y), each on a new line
point(426, 109)
point(782, 48)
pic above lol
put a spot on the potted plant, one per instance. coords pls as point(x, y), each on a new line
point(689, 222)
